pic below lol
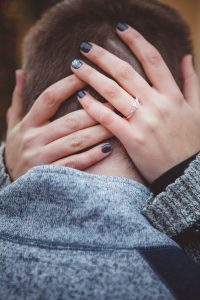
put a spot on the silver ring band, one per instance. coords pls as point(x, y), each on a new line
point(136, 105)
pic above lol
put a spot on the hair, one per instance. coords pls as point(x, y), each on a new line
point(53, 43)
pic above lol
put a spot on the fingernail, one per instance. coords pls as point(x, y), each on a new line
point(85, 47)
point(81, 94)
point(76, 64)
point(122, 26)
point(106, 148)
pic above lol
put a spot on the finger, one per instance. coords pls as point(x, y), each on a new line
point(118, 69)
point(15, 112)
point(75, 143)
point(118, 126)
point(49, 101)
point(85, 160)
point(190, 80)
point(105, 86)
point(155, 68)
point(67, 125)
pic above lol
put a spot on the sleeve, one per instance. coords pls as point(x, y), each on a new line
point(170, 176)
point(4, 176)
point(176, 210)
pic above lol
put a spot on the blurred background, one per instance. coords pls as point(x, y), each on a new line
point(17, 16)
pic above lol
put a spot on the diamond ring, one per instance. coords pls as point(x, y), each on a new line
point(136, 105)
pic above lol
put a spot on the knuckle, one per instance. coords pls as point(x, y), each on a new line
point(31, 158)
point(161, 111)
point(139, 141)
point(93, 157)
point(153, 57)
point(124, 72)
point(99, 53)
point(76, 141)
point(48, 97)
point(27, 141)
point(72, 163)
point(136, 35)
point(26, 159)
point(29, 138)
point(89, 74)
point(152, 124)
point(111, 91)
point(71, 79)
point(133, 37)
point(105, 118)
point(71, 123)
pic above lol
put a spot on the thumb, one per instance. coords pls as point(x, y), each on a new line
point(190, 80)
point(15, 112)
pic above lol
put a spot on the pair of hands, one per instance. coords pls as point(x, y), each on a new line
point(162, 133)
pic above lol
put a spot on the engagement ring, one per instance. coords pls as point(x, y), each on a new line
point(136, 105)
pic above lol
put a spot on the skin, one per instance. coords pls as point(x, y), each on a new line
point(33, 140)
point(165, 130)
point(155, 138)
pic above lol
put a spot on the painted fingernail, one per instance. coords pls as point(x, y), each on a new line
point(85, 47)
point(122, 26)
point(106, 148)
point(76, 64)
point(81, 94)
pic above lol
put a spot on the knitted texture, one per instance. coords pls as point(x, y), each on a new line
point(178, 207)
point(4, 176)
point(66, 234)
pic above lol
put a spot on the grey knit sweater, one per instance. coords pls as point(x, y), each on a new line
point(66, 234)
point(176, 211)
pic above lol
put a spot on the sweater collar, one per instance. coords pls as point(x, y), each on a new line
point(61, 205)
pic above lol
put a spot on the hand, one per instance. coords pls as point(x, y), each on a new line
point(166, 129)
point(33, 140)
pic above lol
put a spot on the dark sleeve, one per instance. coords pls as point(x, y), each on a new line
point(160, 184)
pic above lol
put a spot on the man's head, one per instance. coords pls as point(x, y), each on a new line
point(53, 43)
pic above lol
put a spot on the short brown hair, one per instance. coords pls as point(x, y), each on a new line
point(53, 42)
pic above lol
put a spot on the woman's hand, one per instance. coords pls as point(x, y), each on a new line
point(165, 130)
point(33, 140)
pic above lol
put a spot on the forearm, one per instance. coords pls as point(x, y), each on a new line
point(176, 210)
point(4, 176)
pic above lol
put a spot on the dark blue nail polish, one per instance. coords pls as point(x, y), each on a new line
point(81, 94)
point(76, 64)
point(85, 47)
point(122, 26)
point(106, 148)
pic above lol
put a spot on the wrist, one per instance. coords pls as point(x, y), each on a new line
point(178, 207)
point(160, 184)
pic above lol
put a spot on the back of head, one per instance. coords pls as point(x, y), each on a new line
point(53, 42)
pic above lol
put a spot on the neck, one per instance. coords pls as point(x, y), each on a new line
point(117, 164)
